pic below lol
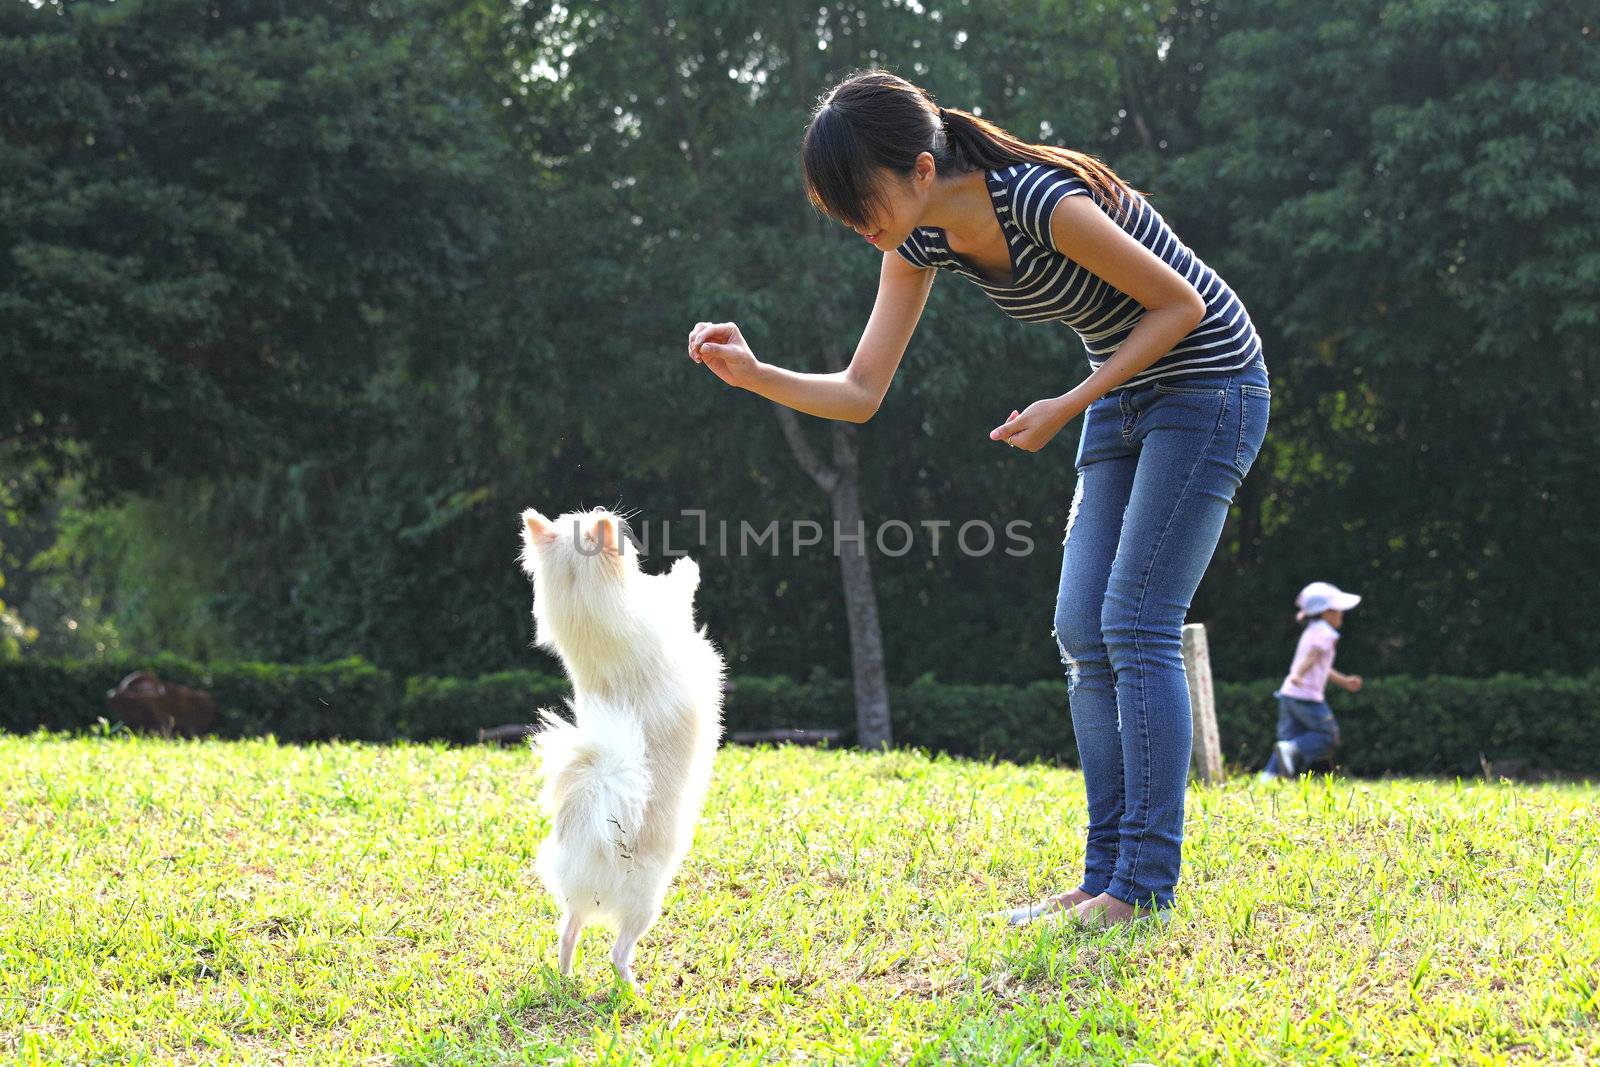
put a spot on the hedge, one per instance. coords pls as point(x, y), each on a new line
point(1399, 725)
point(454, 709)
point(1443, 725)
point(349, 698)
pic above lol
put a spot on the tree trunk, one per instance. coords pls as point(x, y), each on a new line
point(842, 484)
point(860, 598)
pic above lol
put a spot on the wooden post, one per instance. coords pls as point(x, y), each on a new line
point(1207, 757)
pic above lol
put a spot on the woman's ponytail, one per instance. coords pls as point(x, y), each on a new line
point(874, 119)
point(977, 144)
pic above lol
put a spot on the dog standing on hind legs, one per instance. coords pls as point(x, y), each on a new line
point(624, 782)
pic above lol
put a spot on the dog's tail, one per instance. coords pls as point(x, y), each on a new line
point(596, 782)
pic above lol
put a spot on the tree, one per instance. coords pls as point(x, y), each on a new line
point(1392, 192)
point(1403, 189)
point(218, 219)
point(697, 181)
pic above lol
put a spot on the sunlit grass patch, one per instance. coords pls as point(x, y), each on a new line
point(206, 901)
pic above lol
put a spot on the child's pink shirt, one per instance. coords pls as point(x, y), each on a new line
point(1317, 641)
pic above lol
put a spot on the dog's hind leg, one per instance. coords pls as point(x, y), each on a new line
point(628, 933)
point(571, 927)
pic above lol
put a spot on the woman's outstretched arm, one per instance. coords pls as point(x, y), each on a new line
point(852, 394)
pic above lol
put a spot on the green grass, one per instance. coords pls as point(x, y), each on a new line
point(228, 902)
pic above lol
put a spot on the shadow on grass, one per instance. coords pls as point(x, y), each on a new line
point(545, 1020)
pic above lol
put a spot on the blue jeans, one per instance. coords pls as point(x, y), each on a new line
point(1157, 468)
point(1310, 725)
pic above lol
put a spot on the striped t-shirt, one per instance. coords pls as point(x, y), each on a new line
point(1047, 286)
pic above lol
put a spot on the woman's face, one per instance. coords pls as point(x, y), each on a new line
point(902, 200)
point(1333, 617)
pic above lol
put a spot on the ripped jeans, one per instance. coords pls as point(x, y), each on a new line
point(1158, 466)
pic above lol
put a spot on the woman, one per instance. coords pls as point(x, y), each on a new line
point(1175, 409)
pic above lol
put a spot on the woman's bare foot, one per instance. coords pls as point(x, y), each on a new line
point(1048, 906)
point(1070, 899)
point(1105, 911)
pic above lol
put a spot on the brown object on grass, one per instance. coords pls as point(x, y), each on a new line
point(512, 734)
point(145, 702)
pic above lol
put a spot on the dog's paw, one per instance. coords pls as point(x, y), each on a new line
point(687, 571)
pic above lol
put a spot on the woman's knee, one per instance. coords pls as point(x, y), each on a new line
point(1077, 631)
point(1135, 637)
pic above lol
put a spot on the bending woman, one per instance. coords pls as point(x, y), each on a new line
point(1174, 407)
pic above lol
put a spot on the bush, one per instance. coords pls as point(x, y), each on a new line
point(1016, 722)
point(1396, 725)
point(55, 694)
point(1441, 725)
point(757, 703)
point(349, 698)
point(453, 709)
point(1007, 721)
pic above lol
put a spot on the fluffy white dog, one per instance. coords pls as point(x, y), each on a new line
point(625, 782)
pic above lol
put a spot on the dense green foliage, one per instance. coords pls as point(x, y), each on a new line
point(218, 221)
point(1405, 191)
point(1395, 725)
point(306, 302)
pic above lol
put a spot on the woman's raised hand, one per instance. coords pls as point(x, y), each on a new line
point(721, 347)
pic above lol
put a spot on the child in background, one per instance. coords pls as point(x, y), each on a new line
point(1306, 728)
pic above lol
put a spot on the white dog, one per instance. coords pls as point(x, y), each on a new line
point(625, 783)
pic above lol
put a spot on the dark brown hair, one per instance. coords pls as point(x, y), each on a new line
point(876, 119)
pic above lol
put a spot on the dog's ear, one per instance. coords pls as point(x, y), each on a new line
point(604, 532)
point(540, 530)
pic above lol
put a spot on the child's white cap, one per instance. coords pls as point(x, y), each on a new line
point(1318, 597)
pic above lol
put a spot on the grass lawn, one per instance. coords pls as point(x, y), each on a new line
point(246, 902)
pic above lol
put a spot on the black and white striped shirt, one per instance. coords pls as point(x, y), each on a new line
point(1047, 286)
